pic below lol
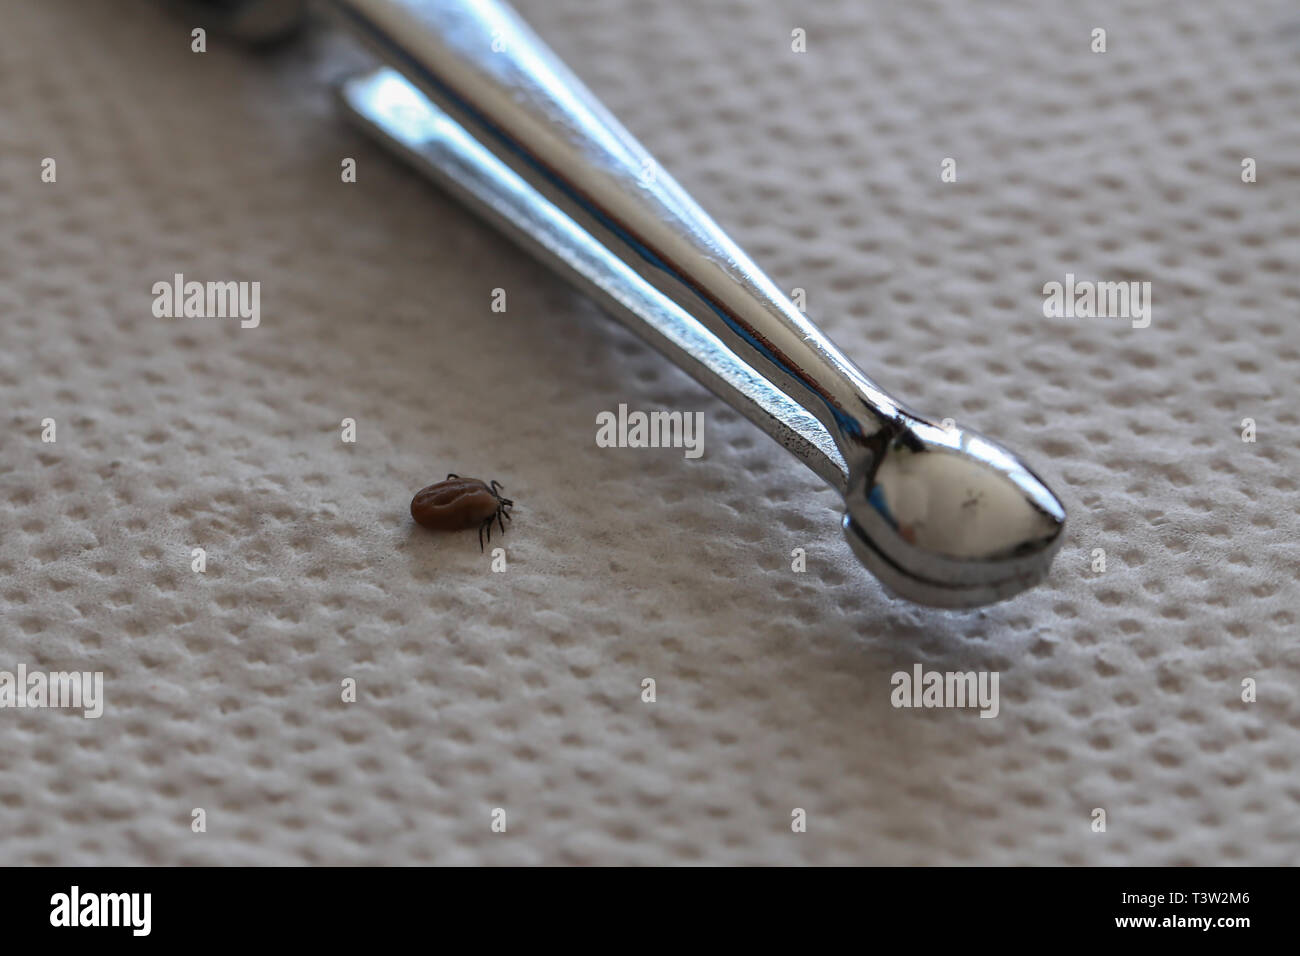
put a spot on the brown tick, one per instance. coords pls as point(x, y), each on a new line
point(459, 503)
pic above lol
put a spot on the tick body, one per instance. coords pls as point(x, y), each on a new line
point(458, 503)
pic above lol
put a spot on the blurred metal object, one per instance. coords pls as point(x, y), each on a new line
point(472, 97)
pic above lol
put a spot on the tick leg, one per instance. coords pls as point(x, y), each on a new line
point(496, 488)
point(480, 539)
point(499, 521)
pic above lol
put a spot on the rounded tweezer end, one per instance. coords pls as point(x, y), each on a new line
point(947, 518)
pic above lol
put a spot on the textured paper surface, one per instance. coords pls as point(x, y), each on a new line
point(521, 690)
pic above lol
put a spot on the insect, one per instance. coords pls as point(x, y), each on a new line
point(457, 503)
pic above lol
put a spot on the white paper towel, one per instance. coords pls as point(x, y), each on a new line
point(522, 690)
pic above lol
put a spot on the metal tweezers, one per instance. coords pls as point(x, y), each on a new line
point(472, 97)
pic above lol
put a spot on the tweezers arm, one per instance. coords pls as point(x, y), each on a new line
point(482, 65)
point(403, 119)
